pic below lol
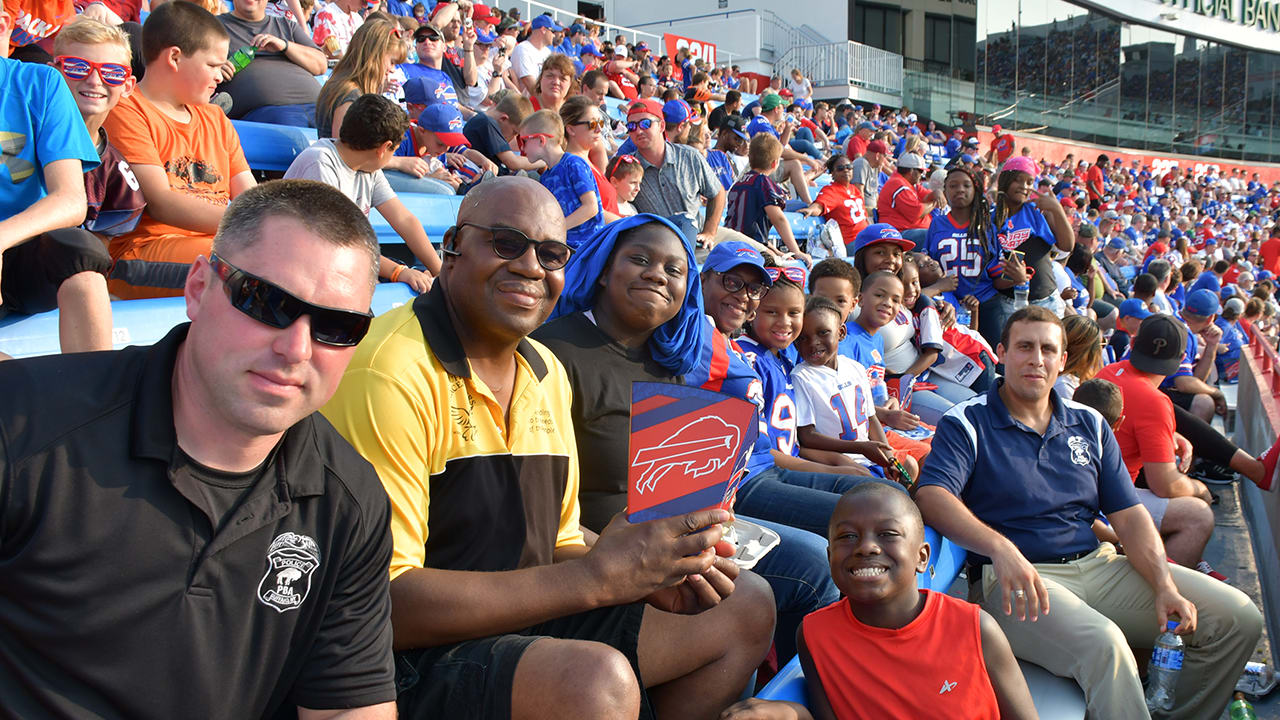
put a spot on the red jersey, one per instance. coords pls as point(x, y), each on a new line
point(900, 204)
point(1003, 145)
point(1146, 432)
point(624, 82)
point(844, 204)
point(1093, 183)
point(939, 654)
point(1232, 274)
point(1270, 251)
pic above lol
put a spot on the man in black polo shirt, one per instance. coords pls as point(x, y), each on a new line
point(1017, 476)
point(181, 534)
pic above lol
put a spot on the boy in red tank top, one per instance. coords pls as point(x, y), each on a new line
point(888, 649)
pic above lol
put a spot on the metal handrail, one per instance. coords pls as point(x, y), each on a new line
point(610, 27)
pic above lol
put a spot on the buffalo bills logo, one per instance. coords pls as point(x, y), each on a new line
point(703, 446)
point(455, 124)
point(747, 252)
point(1012, 239)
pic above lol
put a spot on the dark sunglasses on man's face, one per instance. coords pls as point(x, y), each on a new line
point(510, 244)
point(644, 124)
point(272, 305)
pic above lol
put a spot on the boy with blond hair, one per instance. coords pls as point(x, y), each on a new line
point(184, 151)
point(756, 202)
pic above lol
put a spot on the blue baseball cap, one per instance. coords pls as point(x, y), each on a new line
point(1203, 302)
point(967, 158)
point(676, 111)
point(576, 28)
point(1263, 275)
point(546, 21)
point(1134, 308)
point(881, 233)
point(589, 49)
point(445, 121)
point(732, 253)
point(485, 38)
point(1116, 243)
point(864, 125)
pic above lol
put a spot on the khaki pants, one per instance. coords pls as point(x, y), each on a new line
point(1099, 606)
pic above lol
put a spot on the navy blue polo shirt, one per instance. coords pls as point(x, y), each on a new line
point(1040, 492)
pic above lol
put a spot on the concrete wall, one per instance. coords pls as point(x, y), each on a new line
point(1257, 422)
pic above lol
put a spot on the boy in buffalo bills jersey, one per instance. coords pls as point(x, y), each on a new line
point(834, 408)
point(756, 202)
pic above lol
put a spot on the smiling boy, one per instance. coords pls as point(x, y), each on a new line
point(184, 151)
point(886, 648)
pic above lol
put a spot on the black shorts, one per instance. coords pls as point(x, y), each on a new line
point(473, 679)
point(32, 272)
point(1179, 398)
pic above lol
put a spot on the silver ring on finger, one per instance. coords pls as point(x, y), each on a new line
point(1019, 594)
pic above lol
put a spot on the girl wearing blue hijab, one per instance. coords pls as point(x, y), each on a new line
point(632, 311)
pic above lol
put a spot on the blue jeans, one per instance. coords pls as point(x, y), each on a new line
point(803, 500)
point(808, 147)
point(800, 576)
point(296, 115)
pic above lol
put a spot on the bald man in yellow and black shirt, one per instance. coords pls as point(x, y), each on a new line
point(500, 608)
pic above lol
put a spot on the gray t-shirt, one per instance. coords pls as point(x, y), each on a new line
point(867, 178)
point(272, 78)
point(322, 162)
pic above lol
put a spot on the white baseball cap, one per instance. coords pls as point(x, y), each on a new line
point(911, 161)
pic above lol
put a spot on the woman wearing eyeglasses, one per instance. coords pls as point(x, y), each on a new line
point(567, 176)
point(583, 123)
point(631, 311)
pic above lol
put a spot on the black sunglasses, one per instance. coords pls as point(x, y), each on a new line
point(272, 305)
point(734, 284)
point(509, 244)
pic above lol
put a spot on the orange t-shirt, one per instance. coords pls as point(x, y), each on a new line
point(1146, 433)
point(35, 20)
point(931, 668)
point(200, 157)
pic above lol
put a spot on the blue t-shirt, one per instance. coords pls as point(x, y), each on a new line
point(868, 350)
point(39, 124)
point(439, 83)
point(626, 148)
point(961, 255)
point(779, 395)
point(747, 201)
point(760, 124)
point(569, 180)
point(400, 7)
point(1232, 339)
point(1043, 492)
point(722, 166)
point(952, 148)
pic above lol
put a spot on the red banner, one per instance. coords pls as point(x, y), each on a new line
point(698, 49)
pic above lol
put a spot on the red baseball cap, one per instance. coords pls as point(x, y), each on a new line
point(482, 13)
point(995, 129)
point(647, 106)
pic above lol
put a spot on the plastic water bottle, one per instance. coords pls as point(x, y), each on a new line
point(1163, 670)
point(1257, 680)
point(1241, 709)
point(241, 58)
point(1020, 294)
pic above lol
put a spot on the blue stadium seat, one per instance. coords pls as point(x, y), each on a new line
point(272, 147)
point(437, 213)
point(137, 322)
point(803, 227)
point(1055, 698)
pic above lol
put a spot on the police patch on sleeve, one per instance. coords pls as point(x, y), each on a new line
point(291, 560)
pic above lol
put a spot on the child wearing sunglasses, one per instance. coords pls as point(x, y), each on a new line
point(47, 261)
point(567, 176)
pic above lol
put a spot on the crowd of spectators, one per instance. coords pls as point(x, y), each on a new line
point(428, 509)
